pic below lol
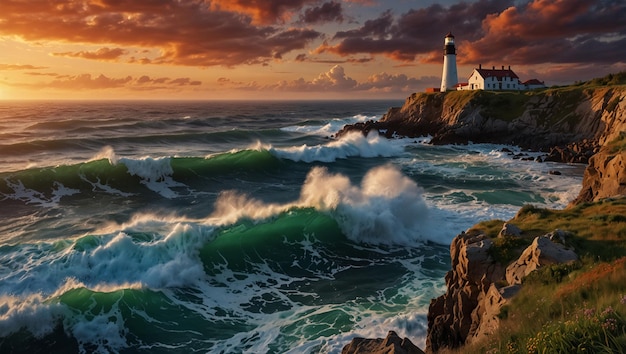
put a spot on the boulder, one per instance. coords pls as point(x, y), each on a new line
point(559, 236)
point(541, 252)
point(392, 344)
point(510, 230)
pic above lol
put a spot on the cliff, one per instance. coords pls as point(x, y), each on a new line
point(605, 176)
point(572, 121)
point(479, 285)
point(575, 124)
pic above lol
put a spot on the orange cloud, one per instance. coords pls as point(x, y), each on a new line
point(20, 67)
point(185, 32)
point(336, 80)
point(263, 11)
point(100, 82)
point(105, 54)
point(551, 31)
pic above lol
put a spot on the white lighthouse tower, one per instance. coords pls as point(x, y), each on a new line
point(449, 78)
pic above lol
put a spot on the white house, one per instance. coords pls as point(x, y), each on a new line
point(497, 80)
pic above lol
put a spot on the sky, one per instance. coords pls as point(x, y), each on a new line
point(294, 49)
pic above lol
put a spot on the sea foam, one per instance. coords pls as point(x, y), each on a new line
point(350, 145)
point(387, 207)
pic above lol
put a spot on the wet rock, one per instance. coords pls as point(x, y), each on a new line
point(392, 344)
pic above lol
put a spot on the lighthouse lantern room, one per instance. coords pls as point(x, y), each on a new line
point(449, 78)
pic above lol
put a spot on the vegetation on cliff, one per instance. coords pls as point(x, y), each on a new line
point(575, 117)
point(567, 307)
point(564, 307)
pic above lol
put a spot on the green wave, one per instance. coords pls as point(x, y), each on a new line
point(97, 176)
point(216, 165)
point(278, 243)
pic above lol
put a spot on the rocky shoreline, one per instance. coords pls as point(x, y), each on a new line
point(569, 125)
point(578, 125)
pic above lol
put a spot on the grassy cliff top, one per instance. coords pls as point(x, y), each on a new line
point(565, 308)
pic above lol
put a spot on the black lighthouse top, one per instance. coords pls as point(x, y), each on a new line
point(448, 47)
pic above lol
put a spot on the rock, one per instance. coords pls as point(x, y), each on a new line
point(540, 253)
point(558, 236)
point(486, 315)
point(509, 230)
point(604, 177)
point(469, 309)
point(554, 172)
point(454, 318)
point(458, 117)
point(392, 344)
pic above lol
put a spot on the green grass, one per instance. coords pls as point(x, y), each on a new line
point(503, 105)
point(608, 80)
point(566, 308)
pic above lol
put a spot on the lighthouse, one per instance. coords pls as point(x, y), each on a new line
point(449, 78)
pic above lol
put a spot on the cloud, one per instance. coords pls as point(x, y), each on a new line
point(510, 32)
point(328, 12)
point(263, 11)
point(185, 81)
point(336, 80)
point(304, 58)
point(101, 82)
point(105, 54)
point(415, 33)
point(397, 83)
point(552, 31)
point(196, 33)
point(86, 81)
point(20, 67)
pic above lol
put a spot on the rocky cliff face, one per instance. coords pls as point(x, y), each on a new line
point(573, 122)
point(537, 120)
point(605, 176)
point(478, 286)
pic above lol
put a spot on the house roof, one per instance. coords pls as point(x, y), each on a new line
point(532, 82)
point(485, 73)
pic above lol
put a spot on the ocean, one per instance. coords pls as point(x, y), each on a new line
point(234, 226)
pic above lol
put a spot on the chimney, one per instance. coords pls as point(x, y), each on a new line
point(509, 67)
point(480, 66)
point(493, 67)
point(502, 67)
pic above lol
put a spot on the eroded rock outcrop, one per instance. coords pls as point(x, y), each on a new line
point(605, 176)
point(540, 253)
point(477, 286)
point(392, 344)
point(569, 124)
point(455, 316)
